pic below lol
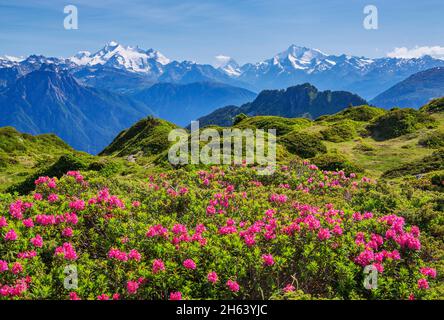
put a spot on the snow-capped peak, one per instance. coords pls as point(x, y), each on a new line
point(299, 57)
point(228, 65)
point(81, 58)
point(12, 58)
point(9, 61)
point(125, 57)
point(302, 53)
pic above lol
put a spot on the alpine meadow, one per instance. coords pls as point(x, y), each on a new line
point(331, 181)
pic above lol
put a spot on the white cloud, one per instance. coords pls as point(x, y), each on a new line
point(416, 52)
point(221, 60)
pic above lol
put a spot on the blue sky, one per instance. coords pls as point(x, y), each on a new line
point(247, 30)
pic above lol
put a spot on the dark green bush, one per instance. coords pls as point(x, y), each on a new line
point(433, 140)
point(339, 132)
point(335, 162)
point(359, 113)
point(281, 125)
point(435, 106)
point(239, 118)
point(106, 167)
point(303, 144)
point(398, 122)
point(64, 164)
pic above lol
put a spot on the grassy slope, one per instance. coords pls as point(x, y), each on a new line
point(23, 154)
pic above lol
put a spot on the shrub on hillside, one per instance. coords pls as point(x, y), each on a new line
point(303, 144)
point(435, 106)
point(280, 124)
point(398, 122)
point(64, 164)
point(335, 162)
point(433, 140)
point(339, 132)
point(238, 118)
point(359, 113)
point(106, 167)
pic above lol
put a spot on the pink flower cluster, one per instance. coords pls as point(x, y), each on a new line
point(76, 175)
point(189, 264)
point(66, 251)
point(37, 241)
point(49, 182)
point(233, 286)
point(267, 259)
point(158, 266)
point(212, 277)
point(176, 295)
point(11, 235)
point(123, 256)
point(77, 205)
point(16, 290)
point(18, 208)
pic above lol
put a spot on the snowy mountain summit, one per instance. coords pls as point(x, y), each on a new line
point(115, 55)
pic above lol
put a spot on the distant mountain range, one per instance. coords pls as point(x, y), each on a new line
point(299, 101)
point(52, 101)
point(88, 98)
point(416, 90)
point(124, 68)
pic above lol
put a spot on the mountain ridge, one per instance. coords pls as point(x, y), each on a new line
point(414, 91)
point(295, 65)
point(52, 101)
point(298, 101)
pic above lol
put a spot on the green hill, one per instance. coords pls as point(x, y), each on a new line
point(365, 139)
point(22, 154)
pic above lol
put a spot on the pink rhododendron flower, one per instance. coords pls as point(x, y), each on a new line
point(158, 265)
point(211, 210)
point(423, 284)
point(3, 222)
point(53, 197)
point(132, 287)
point(16, 268)
point(430, 272)
point(324, 234)
point(118, 255)
point(212, 277)
point(267, 259)
point(176, 295)
point(27, 254)
point(67, 232)
point(288, 288)
point(134, 255)
point(67, 251)
point(38, 196)
point(37, 241)
point(233, 286)
point(3, 266)
point(136, 204)
point(73, 296)
point(337, 230)
point(11, 235)
point(28, 223)
point(77, 205)
point(189, 264)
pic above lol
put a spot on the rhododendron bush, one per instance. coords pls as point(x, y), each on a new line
point(220, 233)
